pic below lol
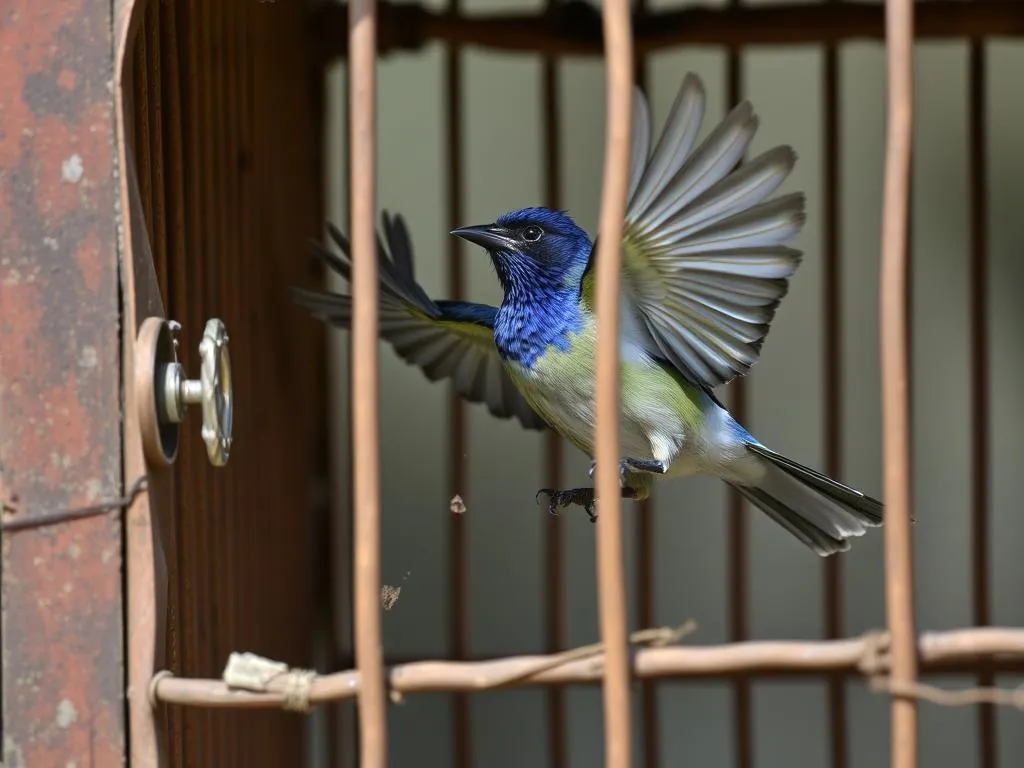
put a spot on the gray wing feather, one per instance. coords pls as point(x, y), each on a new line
point(420, 331)
point(704, 247)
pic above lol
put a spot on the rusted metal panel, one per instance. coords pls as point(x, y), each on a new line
point(59, 386)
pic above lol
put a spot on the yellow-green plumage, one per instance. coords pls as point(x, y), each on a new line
point(661, 413)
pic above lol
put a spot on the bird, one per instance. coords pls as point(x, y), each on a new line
point(705, 263)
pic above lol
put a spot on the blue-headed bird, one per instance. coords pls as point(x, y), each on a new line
point(704, 267)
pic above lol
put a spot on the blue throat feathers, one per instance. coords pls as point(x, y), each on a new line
point(541, 282)
point(532, 319)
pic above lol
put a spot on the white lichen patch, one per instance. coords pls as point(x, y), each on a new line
point(72, 169)
point(66, 714)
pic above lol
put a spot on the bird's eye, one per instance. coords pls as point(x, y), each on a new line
point(532, 234)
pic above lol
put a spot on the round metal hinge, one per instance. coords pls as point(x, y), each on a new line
point(165, 392)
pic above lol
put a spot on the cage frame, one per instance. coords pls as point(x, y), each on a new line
point(894, 661)
point(889, 659)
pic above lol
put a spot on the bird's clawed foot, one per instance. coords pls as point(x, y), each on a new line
point(583, 497)
point(634, 465)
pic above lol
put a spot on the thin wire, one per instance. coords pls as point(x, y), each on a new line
point(77, 513)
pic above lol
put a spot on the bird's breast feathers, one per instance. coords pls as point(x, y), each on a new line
point(662, 415)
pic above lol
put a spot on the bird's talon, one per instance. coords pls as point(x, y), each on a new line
point(583, 497)
point(553, 502)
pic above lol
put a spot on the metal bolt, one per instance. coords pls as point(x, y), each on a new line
point(213, 390)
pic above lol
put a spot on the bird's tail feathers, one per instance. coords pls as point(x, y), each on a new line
point(820, 512)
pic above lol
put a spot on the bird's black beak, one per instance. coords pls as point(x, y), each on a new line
point(486, 236)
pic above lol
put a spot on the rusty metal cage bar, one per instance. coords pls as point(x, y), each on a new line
point(611, 577)
point(366, 457)
point(895, 332)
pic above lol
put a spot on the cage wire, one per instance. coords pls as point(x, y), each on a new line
point(893, 660)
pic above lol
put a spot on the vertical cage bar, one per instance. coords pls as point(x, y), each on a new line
point(616, 22)
point(833, 385)
point(980, 469)
point(458, 476)
point(366, 457)
point(645, 550)
point(895, 372)
point(553, 584)
point(737, 542)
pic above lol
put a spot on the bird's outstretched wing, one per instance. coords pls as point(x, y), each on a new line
point(705, 265)
point(446, 339)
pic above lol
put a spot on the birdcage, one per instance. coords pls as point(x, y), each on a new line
point(329, 559)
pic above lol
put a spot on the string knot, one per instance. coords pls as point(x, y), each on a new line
point(251, 672)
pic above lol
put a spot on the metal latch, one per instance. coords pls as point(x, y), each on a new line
point(165, 392)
